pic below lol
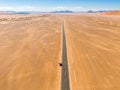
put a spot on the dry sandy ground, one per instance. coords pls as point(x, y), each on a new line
point(112, 13)
point(93, 44)
point(30, 52)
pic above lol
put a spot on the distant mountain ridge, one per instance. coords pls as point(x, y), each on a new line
point(65, 11)
point(13, 12)
point(3, 12)
point(62, 11)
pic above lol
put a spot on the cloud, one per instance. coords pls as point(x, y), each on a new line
point(68, 8)
point(32, 8)
point(26, 8)
point(47, 9)
point(6, 8)
point(23, 8)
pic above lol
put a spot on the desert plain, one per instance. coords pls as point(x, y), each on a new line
point(31, 46)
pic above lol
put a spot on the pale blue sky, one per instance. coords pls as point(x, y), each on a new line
point(51, 5)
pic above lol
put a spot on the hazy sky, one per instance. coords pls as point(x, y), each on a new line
point(51, 5)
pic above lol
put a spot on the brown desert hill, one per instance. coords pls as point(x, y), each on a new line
point(112, 13)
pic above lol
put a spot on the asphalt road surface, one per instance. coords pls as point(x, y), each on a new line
point(65, 73)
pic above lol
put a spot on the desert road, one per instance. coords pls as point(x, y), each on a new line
point(88, 47)
point(65, 73)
